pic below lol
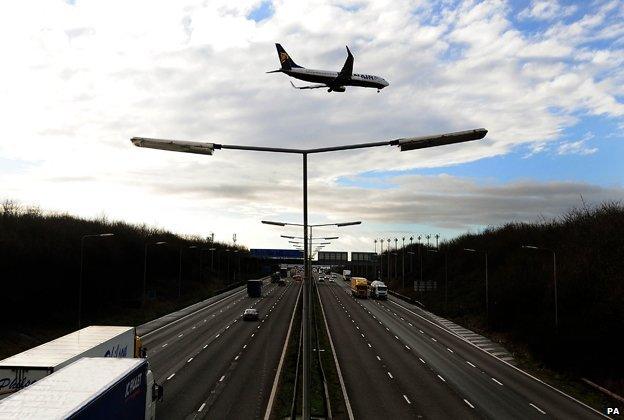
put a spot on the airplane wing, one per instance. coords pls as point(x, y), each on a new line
point(308, 87)
point(347, 70)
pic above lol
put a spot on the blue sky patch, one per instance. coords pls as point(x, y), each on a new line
point(263, 11)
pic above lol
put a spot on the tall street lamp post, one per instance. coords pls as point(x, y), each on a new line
point(145, 268)
point(180, 271)
point(487, 292)
point(388, 255)
point(403, 262)
point(554, 260)
point(445, 276)
point(381, 259)
point(404, 144)
point(82, 241)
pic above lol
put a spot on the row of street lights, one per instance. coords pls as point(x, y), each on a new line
point(485, 255)
point(404, 144)
point(145, 265)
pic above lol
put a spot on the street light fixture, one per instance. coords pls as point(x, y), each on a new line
point(404, 144)
point(82, 240)
point(554, 255)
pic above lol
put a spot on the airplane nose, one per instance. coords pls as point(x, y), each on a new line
point(385, 83)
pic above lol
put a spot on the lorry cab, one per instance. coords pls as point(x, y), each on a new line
point(378, 290)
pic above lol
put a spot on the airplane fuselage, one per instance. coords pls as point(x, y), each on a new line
point(329, 77)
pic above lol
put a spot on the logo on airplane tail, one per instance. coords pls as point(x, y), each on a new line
point(283, 57)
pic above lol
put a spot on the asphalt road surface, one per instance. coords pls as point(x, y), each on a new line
point(397, 364)
point(215, 365)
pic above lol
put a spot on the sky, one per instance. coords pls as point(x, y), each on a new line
point(80, 78)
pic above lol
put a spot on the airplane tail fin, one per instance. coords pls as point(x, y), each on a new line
point(285, 60)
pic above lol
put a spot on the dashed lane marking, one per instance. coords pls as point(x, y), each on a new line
point(170, 376)
point(468, 403)
point(201, 407)
point(500, 383)
point(407, 399)
point(470, 364)
point(537, 408)
point(443, 380)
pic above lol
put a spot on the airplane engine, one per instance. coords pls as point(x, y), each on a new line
point(337, 89)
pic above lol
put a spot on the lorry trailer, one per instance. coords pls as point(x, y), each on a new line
point(254, 288)
point(359, 287)
point(23, 369)
point(89, 388)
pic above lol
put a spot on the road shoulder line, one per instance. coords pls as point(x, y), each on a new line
point(267, 413)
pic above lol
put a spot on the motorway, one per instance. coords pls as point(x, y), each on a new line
point(398, 364)
point(215, 365)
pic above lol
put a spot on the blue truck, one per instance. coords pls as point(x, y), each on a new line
point(90, 388)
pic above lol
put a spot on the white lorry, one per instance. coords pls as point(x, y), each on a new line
point(90, 388)
point(378, 290)
point(23, 369)
point(346, 274)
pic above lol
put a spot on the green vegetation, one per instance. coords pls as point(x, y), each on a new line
point(40, 273)
point(589, 248)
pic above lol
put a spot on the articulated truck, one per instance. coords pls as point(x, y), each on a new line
point(23, 369)
point(359, 287)
point(378, 290)
point(90, 388)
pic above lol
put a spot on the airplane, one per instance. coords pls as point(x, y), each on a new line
point(334, 81)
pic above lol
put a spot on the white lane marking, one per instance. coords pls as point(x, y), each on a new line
point(497, 382)
point(387, 329)
point(205, 345)
point(421, 331)
point(227, 327)
point(236, 358)
point(537, 408)
point(449, 350)
point(180, 335)
point(369, 345)
point(410, 324)
point(390, 375)
point(421, 360)
point(357, 327)
point(193, 328)
point(468, 402)
point(396, 337)
point(204, 320)
point(407, 347)
point(379, 358)
point(217, 336)
point(362, 335)
point(253, 334)
point(171, 376)
point(201, 407)
point(434, 339)
point(164, 345)
point(222, 378)
point(443, 380)
point(189, 360)
point(245, 346)
point(470, 364)
point(407, 399)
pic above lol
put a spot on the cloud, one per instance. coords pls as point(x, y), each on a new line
point(86, 77)
point(546, 10)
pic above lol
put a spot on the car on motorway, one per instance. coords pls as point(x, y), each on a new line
point(331, 280)
point(250, 314)
point(321, 279)
point(327, 277)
